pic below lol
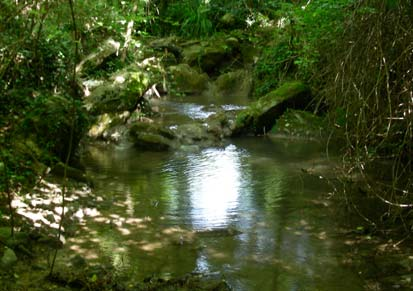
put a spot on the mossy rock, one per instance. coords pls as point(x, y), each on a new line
point(213, 55)
point(300, 123)
point(121, 93)
point(169, 47)
point(109, 126)
point(186, 79)
point(91, 62)
point(9, 258)
point(219, 124)
point(261, 116)
point(237, 83)
point(228, 20)
point(192, 133)
point(149, 136)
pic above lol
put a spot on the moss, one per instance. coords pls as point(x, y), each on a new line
point(300, 123)
point(188, 80)
point(243, 118)
point(237, 83)
point(152, 141)
point(151, 136)
point(262, 114)
point(282, 93)
point(120, 93)
point(103, 123)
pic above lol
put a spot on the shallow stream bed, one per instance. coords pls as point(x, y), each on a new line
point(261, 213)
point(245, 211)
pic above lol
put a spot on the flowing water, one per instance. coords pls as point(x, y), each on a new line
point(245, 210)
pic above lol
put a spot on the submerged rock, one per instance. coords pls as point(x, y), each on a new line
point(60, 169)
point(218, 232)
point(261, 116)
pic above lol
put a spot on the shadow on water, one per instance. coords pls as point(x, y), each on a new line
point(246, 211)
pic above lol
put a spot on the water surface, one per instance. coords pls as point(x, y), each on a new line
point(245, 210)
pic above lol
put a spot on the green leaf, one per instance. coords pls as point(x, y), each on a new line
point(94, 278)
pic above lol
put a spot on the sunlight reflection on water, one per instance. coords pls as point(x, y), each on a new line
point(175, 213)
point(214, 186)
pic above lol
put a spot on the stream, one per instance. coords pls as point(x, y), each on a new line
point(245, 211)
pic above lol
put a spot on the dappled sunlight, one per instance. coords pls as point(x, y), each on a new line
point(85, 252)
point(43, 205)
point(218, 254)
point(150, 246)
point(124, 231)
point(216, 208)
point(322, 235)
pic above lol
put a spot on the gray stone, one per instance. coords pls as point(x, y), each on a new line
point(149, 136)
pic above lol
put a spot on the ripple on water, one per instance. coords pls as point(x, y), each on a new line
point(264, 232)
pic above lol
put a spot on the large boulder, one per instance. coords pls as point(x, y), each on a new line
point(261, 116)
point(151, 136)
point(211, 56)
point(166, 46)
point(156, 137)
point(121, 92)
point(90, 63)
point(185, 79)
point(236, 83)
point(195, 133)
point(109, 126)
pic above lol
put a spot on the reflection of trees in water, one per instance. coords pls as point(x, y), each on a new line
point(282, 245)
point(260, 192)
